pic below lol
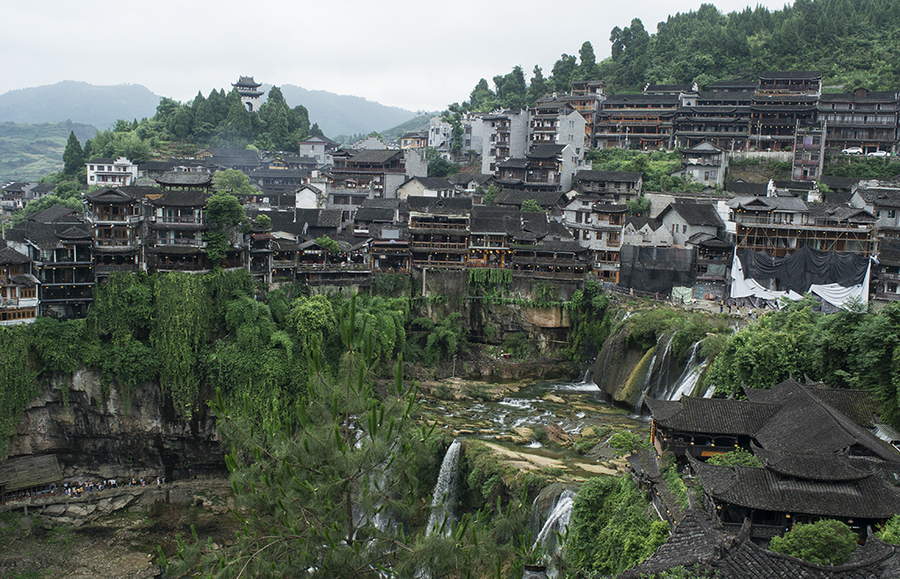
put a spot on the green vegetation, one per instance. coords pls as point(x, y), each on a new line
point(530, 205)
point(342, 448)
point(890, 533)
point(851, 43)
point(591, 321)
point(825, 542)
point(610, 531)
point(655, 166)
point(736, 457)
point(847, 349)
point(28, 152)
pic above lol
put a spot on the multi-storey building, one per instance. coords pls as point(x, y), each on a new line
point(720, 115)
point(416, 140)
point(809, 153)
point(614, 185)
point(116, 219)
point(176, 224)
point(703, 163)
point(18, 289)
point(545, 168)
point(597, 227)
point(505, 137)
point(783, 101)
point(642, 121)
point(381, 171)
point(111, 172)
point(556, 122)
point(865, 119)
point(61, 257)
point(439, 231)
point(249, 91)
point(319, 148)
point(781, 225)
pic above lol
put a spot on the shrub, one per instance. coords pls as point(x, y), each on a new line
point(825, 542)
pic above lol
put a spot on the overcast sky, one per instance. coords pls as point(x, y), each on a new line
point(414, 54)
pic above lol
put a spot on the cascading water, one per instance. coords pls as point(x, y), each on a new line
point(688, 379)
point(557, 522)
point(646, 386)
point(444, 489)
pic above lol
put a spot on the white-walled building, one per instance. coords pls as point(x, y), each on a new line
point(111, 172)
point(505, 137)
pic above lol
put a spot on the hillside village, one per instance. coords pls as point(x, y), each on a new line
point(325, 216)
point(386, 215)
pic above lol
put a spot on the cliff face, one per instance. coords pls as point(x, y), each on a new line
point(96, 434)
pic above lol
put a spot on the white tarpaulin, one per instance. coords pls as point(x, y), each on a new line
point(833, 293)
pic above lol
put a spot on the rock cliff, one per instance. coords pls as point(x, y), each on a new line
point(96, 432)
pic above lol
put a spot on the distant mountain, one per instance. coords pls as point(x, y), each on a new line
point(343, 114)
point(102, 106)
point(80, 102)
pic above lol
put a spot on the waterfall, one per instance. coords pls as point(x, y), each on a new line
point(665, 364)
point(685, 384)
point(444, 489)
point(557, 522)
point(646, 387)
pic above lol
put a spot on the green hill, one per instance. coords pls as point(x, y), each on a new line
point(28, 152)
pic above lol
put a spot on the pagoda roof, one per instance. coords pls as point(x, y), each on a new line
point(246, 81)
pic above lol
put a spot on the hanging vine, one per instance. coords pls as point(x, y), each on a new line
point(180, 328)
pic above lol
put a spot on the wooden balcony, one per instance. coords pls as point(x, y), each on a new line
point(439, 246)
point(416, 224)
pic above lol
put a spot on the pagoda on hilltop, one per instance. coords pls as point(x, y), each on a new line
point(247, 88)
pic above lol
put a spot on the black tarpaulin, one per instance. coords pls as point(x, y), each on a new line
point(805, 267)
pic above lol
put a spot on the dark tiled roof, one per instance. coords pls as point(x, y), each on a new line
point(837, 467)
point(545, 151)
point(55, 214)
point(443, 206)
point(182, 179)
point(434, 183)
point(179, 199)
point(712, 415)
point(121, 195)
point(589, 175)
point(763, 489)
point(839, 182)
point(48, 235)
point(516, 197)
point(466, 178)
point(870, 96)
point(695, 213)
point(694, 539)
point(371, 155)
point(792, 74)
point(513, 164)
point(381, 214)
point(283, 173)
point(10, 256)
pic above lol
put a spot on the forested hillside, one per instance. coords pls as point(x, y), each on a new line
point(28, 152)
point(852, 43)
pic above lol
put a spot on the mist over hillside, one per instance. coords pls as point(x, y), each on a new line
point(80, 102)
point(344, 114)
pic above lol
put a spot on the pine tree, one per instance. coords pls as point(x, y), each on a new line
point(73, 156)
